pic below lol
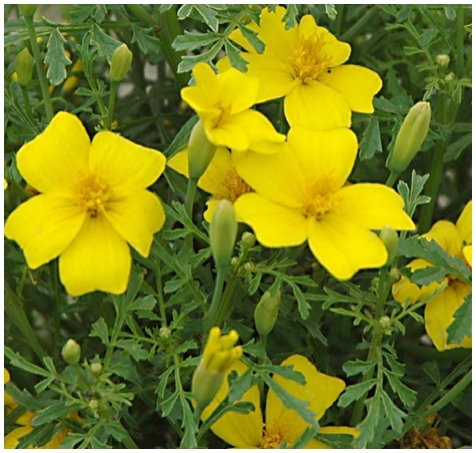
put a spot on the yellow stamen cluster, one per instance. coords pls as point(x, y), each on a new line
point(235, 186)
point(273, 437)
point(93, 194)
point(320, 199)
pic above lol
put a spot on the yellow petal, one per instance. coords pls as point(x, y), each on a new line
point(238, 430)
point(320, 391)
point(439, 314)
point(121, 162)
point(446, 235)
point(220, 169)
point(6, 376)
point(357, 85)
point(464, 225)
point(52, 160)
point(98, 259)
point(273, 224)
point(240, 99)
point(316, 106)
point(468, 254)
point(344, 248)
point(206, 90)
point(373, 206)
point(179, 162)
point(12, 439)
point(136, 215)
point(44, 226)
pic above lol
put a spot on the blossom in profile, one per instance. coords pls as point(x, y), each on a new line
point(281, 424)
point(306, 65)
point(220, 180)
point(223, 103)
point(456, 240)
point(301, 194)
point(92, 202)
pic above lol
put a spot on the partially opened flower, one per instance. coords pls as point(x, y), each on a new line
point(223, 103)
point(306, 65)
point(221, 179)
point(456, 240)
point(281, 424)
point(93, 202)
point(302, 195)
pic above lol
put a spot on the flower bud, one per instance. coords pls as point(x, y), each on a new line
point(390, 238)
point(71, 352)
point(95, 368)
point(218, 356)
point(27, 10)
point(442, 60)
point(394, 275)
point(200, 152)
point(266, 313)
point(248, 240)
point(410, 137)
point(164, 333)
point(24, 67)
point(121, 63)
point(450, 77)
point(223, 229)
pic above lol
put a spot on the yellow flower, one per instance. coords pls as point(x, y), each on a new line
point(223, 103)
point(306, 65)
point(302, 195)
point(456, 240)
point(93, 201)
point(220, 179)
point(282, 424)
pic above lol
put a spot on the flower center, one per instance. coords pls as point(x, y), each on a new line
point(93, 194)
point(308, 59)
point(274, 437)
point(222, 116)
point(234, 185)
point(320, 199)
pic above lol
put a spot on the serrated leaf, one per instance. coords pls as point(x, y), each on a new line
point(233, 53)
point(455, 149)
point(143, 303)
point(133, 348)
point(115, 429)
point(208, 16)
point(193, 40)
point(53, 412)
point(18, 361)
point(189, 439)
point(427, 36)
point(56, 58)
point(286, 372)
point(306, 437)
point(432, 370)
point(290, 16)
point(461, 325)
point(303, 304)
point(370, 424)
point(99, 329)
point(406, 395)
point(252, 37)
point(188, 63)
point(428, 275)
point(394, 414)
point(354, 392)
point(331, 12)
point(145, 42)
point(371, 142)
point(355, 367)
point(105, 44)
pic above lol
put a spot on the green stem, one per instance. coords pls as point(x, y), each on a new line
point(160, 293)
point(58, 307)
point(392, 178)
point(26, 100)
point(337, 22)
point(128, 442)
point(39, 68)
point(211, 319)
point(359, 25)
point(190, 198)
point(460, 41)
point(110, 109)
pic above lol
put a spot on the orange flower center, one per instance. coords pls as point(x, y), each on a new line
point(274, 436)
point(308, 59)
point(320, 199)
point(93, 194)
point(234, 185)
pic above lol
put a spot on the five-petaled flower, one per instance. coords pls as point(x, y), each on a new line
point(456, 240)
point(306, 65)
point(223, 103)
point(93, 201)
point(281, 424)
point(301, 194)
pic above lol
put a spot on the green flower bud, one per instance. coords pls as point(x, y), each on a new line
point(27, 10)
point(24, 67)
point(442, 60)
point(120, 64)
point(200, 152)
point(164, 333)
point(266, 313)
point(248, 240)
point(95, 368)
point(450, 77)
point(410, 137)
point(71, 352)
point(390, 238)
point(223, 229)
point(386, 324)
point(394, 275)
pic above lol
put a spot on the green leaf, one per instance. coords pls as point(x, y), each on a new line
point(208, 16)
point(428, 275)
point(189, 439)
point(406, 395)
point(455, 149)
point(145, 42)
point(18, 361)
point(331, 12)
point(368, 427)
point(286, 371)
point(56, 58)
point(236, 60)
point(461, 325)
point(371, 142)
point(394, 414)
point(290, 16)
point(193, 40)
point(306, 437)
point(354, 392)
point(99, 329)
point(188, 63)
point(105, 44)
point(432, 370)
point(353, 368)
point(54, 412)
point(23, 398)
point(303, 304)
point(115, 429)
point(133, 348)
point(143, 303)
point(252, 37)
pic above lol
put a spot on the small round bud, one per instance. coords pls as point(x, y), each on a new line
point(248, 239)
point(121, 63)
point(223, 230)
point(24, 67)
point(410, 137)
point(200, 152)
point(248, 266)
point(450, 77)
point(95, 368)
point(385, 322)
point(442, 60)
point(27, 10)
point(164, 333)
point(94, 405)
point(394, 275)
point(390, 238)
point(71, 352)
point(234, 263)
point(266, 313)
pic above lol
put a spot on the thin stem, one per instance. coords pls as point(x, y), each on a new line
point(211, 319)
point(58, 307)
point(39, 68)
point(26, 100)
point(160, 293)
point(190, 198)
point(110, 109)
point(460, 41)
point(359, 25)
point(392, 178)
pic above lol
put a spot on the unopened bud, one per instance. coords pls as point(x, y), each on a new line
point(94, 405)
point(24, 67)
point(442, 60)
point(200, 152)
point(95, 368)
point(248, 240)
point(164, 333)
point(120, 63)
point(394, 275)
point(410, 136)
point(386, 324)
point(223, 229)
point(71, 352)
point(266, 313)
point(450, 77)
point(27, 10)
point(390, 238)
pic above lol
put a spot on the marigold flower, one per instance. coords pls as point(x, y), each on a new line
point(220, 179)
point(306, 65)
point(282, 424)
point(93, 201)
point(223, 103)
point(439, 312)
point(303, 195)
